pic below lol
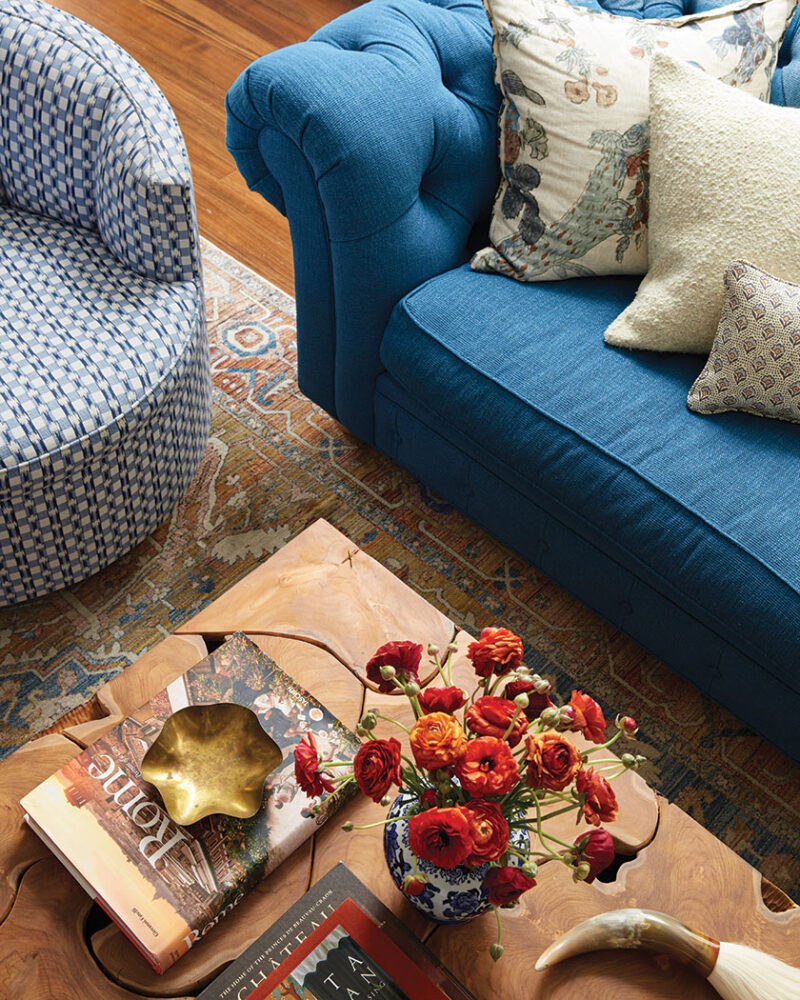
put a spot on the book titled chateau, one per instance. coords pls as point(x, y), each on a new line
point(167, 885)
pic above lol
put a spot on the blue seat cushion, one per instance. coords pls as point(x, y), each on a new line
point(702, 508)
point(88, 349)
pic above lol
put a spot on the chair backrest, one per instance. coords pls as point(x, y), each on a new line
point(87, 138)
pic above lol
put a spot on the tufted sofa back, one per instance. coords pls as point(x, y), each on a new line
point(88, 139)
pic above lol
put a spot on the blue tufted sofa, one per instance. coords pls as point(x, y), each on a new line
point(105, 393)
point(377, 138)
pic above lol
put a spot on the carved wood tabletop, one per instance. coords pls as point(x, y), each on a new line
point(320, 607)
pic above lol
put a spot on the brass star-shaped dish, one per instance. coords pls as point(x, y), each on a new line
point(211, 759)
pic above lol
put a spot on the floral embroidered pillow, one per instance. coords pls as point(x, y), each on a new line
point(754, 364)
point(574, 144)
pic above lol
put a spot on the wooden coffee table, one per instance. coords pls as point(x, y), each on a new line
point(320, 607)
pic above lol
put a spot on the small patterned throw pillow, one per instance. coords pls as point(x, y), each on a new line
point(574, 143)
point(754, 364)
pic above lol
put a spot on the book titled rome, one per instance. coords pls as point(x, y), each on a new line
point(166, 885)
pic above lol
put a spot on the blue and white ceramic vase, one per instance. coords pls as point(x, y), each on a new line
point(452, 895)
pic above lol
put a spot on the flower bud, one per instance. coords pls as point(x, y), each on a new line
point(626, 725)
point(347, 827)
point(495, 950)
point(551, 716)
point(387, 672)
point(369, 720)
point(452, 647)
point(581, 872)
point(412, 689)
point(566, 717)
point(414, 885)
point(629, 760)
point(522, 701)
point(386, 800)
point(433, 649)
point(531, 869)
point(541, 686)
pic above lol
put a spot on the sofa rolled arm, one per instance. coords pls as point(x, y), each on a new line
point(377, 139)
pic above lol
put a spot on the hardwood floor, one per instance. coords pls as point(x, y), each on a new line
point(194, 50)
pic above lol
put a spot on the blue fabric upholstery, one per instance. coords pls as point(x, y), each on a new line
point(363, 135)
point(87, 138)
point(105, 394)
point(571, 551)
point(688, 502)
point(377, 138)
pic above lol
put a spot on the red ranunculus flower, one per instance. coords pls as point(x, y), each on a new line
point(506, 885)
point(491, 716)
point(552, 760)
point(537, 703)
point(489, 831)
point(441, 836)
point(306, 762)
point(376, 766)
point(439, 699)
point(414, 885)
point(405, 657)
point(588, 717)
point(599, 802)
point(597, 848)
point(428, 798)
point(497, 651)
point(487, 768)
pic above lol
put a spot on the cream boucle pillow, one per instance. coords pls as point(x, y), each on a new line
point(725, 184)
point(754, 364)
point(573, 196)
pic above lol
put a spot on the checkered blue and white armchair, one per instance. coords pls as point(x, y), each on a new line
point(105, 391)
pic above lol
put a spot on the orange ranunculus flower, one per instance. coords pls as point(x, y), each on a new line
point(599, 801)
point(588, 717)
point(487, 768)
point(437, 740)
point(491, 716)
point(497, 651)
point(552, 760)
point(488, 829)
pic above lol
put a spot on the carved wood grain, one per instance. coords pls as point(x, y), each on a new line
point(322, 588)
point(342, 605)
point(19, 847)
point(684, 871)
point(44, 953)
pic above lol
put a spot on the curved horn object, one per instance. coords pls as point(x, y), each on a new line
point(735, 971)
point(635, 928)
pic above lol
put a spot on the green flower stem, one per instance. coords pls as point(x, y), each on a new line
point(335, 763)
point(414, 699)
point(604, 746)
point(499, 924)
point(549, 836)
point(559, 812)
point(480, 686)
point(514, 718)
point(388, 718)
point(383, 822)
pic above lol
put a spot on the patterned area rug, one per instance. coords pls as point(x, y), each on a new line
point(275, 463)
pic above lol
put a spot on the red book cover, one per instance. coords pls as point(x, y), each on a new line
point(347, 958)
point(166, 885)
